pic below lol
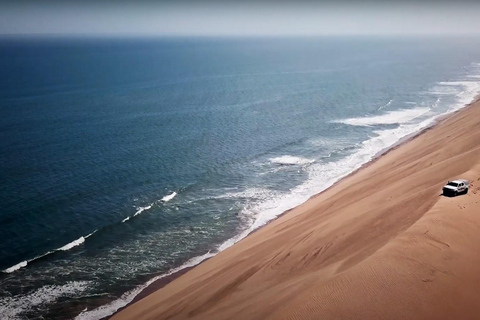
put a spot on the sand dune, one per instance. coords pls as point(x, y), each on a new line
point(381, 244)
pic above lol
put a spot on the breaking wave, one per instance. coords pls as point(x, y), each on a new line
point(82, 239)
point(142, 209)
point(139, 211)
point(72, 244)
point(16, 267)
point(66, 247)
point(169, 197)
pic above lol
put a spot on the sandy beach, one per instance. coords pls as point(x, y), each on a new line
point(383, 243)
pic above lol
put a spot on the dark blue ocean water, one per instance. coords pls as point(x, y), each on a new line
point(122, 160)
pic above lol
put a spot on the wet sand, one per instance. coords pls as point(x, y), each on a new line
point(380, 244)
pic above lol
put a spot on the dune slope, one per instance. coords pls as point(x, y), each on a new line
point(381, 244)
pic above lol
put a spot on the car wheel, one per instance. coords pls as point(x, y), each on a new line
point(455, 193)
point(466, 191)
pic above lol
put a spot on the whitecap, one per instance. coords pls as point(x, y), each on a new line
point(66, 247)
point(141, 209)
point(90, 234)
point(169, 197)
point(16, 267)
point(72, 244)
point(386, 105)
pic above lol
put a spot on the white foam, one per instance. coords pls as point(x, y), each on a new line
point(169, 197)
point(75, 243)
point(142, 209)
point(324, 175)
point(289, 160)
point(139, 211)
point(386, 105)
point(90, 234)
point(443, 90)
point(321, 176)
point(66, 247)
point(250, 193)
point(16, 267)
point(13, 307)
point(126, 298)
point(72, 244)
point(466, 92)
point(392, 117)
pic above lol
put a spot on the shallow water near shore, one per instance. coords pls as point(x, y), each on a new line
point(125, 160)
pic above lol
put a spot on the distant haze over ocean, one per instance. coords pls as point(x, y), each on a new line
point(240, 18)
point(123, 160)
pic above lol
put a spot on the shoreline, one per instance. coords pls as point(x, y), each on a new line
point(380, 238)
point(169, 278)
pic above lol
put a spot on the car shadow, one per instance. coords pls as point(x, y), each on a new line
point(450, 195)
point(447, 195)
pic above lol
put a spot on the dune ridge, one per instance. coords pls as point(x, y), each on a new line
point(380, 244)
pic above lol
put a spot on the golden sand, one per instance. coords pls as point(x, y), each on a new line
point(380, 244)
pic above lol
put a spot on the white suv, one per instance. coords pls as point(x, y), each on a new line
point(456, 187)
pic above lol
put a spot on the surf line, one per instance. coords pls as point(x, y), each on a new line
point(141, 209)
point(82, 239)
point(66, 247)
point(386, 105)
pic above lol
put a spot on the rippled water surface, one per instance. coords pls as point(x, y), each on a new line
point(125, 160)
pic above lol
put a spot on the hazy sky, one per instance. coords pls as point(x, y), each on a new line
point(239, 17)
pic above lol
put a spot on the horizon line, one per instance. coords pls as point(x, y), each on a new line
point(266, 35)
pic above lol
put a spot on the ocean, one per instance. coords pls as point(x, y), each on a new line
point(125, 160)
